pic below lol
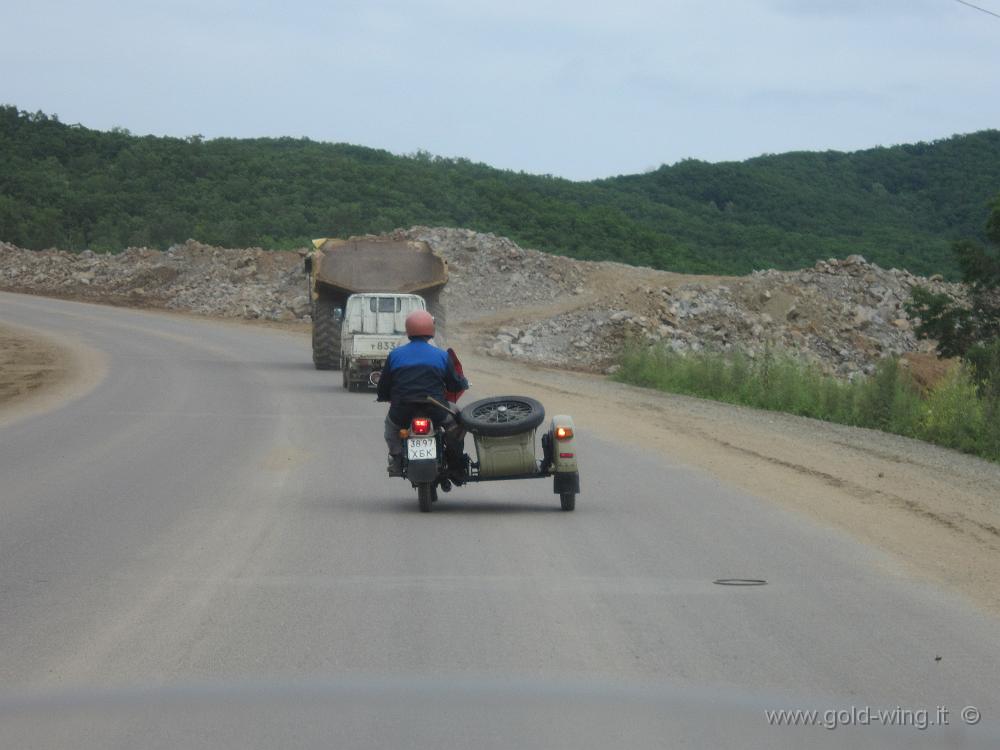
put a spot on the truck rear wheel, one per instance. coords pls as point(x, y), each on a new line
point(325, 335)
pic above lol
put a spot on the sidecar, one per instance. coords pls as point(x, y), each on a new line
point(504, 430)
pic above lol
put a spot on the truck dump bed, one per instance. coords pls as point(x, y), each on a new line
point(352, 266)
point(339, 268)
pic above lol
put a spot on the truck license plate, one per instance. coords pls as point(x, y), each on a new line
point(419, 449)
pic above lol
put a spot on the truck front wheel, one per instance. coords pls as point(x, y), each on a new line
point(325, 334)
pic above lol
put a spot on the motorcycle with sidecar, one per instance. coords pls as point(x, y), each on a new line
point(504, 431)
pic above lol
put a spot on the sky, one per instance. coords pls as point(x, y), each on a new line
point(575, 89)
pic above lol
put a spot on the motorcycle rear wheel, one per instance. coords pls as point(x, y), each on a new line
point(426, 496)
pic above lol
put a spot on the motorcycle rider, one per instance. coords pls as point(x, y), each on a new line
point(412, 373)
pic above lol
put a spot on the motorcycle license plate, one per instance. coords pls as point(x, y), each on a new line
point(419, 449)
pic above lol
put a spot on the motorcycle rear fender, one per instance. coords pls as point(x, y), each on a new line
point(422, 471)
point(563, 451)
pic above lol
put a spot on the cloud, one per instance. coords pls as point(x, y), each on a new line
point(848, 8)
point(577, 88)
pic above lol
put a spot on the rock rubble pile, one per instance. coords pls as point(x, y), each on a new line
point(488, 274)
point(246, 283)
point(843, 314)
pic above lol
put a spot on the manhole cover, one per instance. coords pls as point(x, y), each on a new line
point(740, 582)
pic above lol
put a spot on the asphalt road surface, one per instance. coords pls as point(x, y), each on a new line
point(203, 550)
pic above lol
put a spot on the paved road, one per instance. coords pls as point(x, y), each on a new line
point(207, 537)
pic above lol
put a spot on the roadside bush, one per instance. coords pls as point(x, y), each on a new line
point(985, 362)
point(888, 400)
point(960, 412)
point(953, 413)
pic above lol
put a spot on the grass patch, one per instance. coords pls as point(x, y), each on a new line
point(961, 412)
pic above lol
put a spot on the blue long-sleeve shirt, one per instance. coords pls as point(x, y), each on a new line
point(417, 370)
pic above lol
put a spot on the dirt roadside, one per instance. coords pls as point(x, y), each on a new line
point(39, 372)
point(28, 364)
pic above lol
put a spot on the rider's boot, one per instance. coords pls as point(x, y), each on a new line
point(458, 468)
point(395, 467)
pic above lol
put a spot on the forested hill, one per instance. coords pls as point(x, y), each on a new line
point(72, 187)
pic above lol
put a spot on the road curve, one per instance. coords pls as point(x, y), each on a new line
point(215, 513)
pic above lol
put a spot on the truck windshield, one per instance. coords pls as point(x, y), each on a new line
point(385, 304)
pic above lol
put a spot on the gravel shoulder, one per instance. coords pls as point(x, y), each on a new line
point(28, 365)
point(935, 510)
point(40, 371)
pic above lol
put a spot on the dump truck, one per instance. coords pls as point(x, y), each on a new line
point(337, 269)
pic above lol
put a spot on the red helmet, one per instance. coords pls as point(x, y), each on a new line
point(420, 323)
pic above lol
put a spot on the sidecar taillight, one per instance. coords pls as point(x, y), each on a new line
point(421, 426)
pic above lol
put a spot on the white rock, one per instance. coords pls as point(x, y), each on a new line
point(501, 347)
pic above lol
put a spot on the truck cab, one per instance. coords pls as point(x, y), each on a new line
point(374, 323)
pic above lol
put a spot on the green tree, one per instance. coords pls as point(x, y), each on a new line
point(901, 206)
point(973, 328)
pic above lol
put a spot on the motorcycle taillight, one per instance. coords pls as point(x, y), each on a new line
point(421, 426)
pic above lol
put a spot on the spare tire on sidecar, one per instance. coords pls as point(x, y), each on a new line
point(499, 416)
